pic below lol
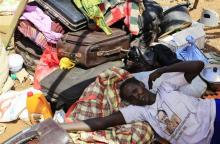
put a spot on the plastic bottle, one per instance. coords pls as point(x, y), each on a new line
point(38, 107)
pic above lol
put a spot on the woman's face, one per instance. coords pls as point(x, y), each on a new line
point(137, 94)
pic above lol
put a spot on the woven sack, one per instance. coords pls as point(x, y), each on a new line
point(4, 69)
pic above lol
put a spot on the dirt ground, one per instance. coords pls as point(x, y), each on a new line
point(213, 43)
point(212, 34)
point(12, 128)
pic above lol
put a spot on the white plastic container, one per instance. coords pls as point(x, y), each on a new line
point(209, 18)
point(15, 62)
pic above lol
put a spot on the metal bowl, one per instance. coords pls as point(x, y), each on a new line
point(211, 74)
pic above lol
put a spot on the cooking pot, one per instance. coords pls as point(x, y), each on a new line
point(211, 74)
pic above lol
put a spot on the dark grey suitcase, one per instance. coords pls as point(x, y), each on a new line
point(66, 12)
point(63, 88)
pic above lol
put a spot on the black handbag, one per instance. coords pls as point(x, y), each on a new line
point(139, 59)
point(151, 20)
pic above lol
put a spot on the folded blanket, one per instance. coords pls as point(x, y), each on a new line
point(42, 22)
point(115, 10)
point(30, 31)
point(100, 99)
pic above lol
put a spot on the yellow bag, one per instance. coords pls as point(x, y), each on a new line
point(4, 69)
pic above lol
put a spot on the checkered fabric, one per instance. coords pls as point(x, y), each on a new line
point(115, 10)
point(30, 31)
point(106, 100)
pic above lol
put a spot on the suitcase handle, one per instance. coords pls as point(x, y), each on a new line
point(111, 52)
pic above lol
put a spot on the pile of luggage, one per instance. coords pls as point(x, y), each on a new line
point(66, 44)
point(90, 34)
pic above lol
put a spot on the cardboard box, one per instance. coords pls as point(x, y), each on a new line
point(8, 23)
point(178, 39)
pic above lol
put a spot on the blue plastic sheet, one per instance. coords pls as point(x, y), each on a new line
point(191, 52)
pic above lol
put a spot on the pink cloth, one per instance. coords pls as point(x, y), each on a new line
point(42, 22)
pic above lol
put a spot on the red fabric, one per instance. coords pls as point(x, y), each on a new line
point(129, 10)
point(72, 107)
point(48, 63)
point(31, 32)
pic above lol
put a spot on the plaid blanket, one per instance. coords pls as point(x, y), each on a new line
point(100, 99)
point(115, 10)
point(107, 12)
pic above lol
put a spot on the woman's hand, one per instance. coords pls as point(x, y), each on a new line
point(153, 76)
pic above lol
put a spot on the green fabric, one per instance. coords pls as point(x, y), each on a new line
point(91, 9)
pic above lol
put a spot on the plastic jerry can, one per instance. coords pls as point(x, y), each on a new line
point(38, 107)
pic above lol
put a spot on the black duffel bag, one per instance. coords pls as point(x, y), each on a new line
point(62, 88)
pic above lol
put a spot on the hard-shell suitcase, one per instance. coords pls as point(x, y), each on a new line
point(30, 52)
point(62, 88)
point(66, 12)
point(91, 48)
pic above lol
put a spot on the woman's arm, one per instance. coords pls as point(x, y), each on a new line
point(190, 68)
point(96, 123)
